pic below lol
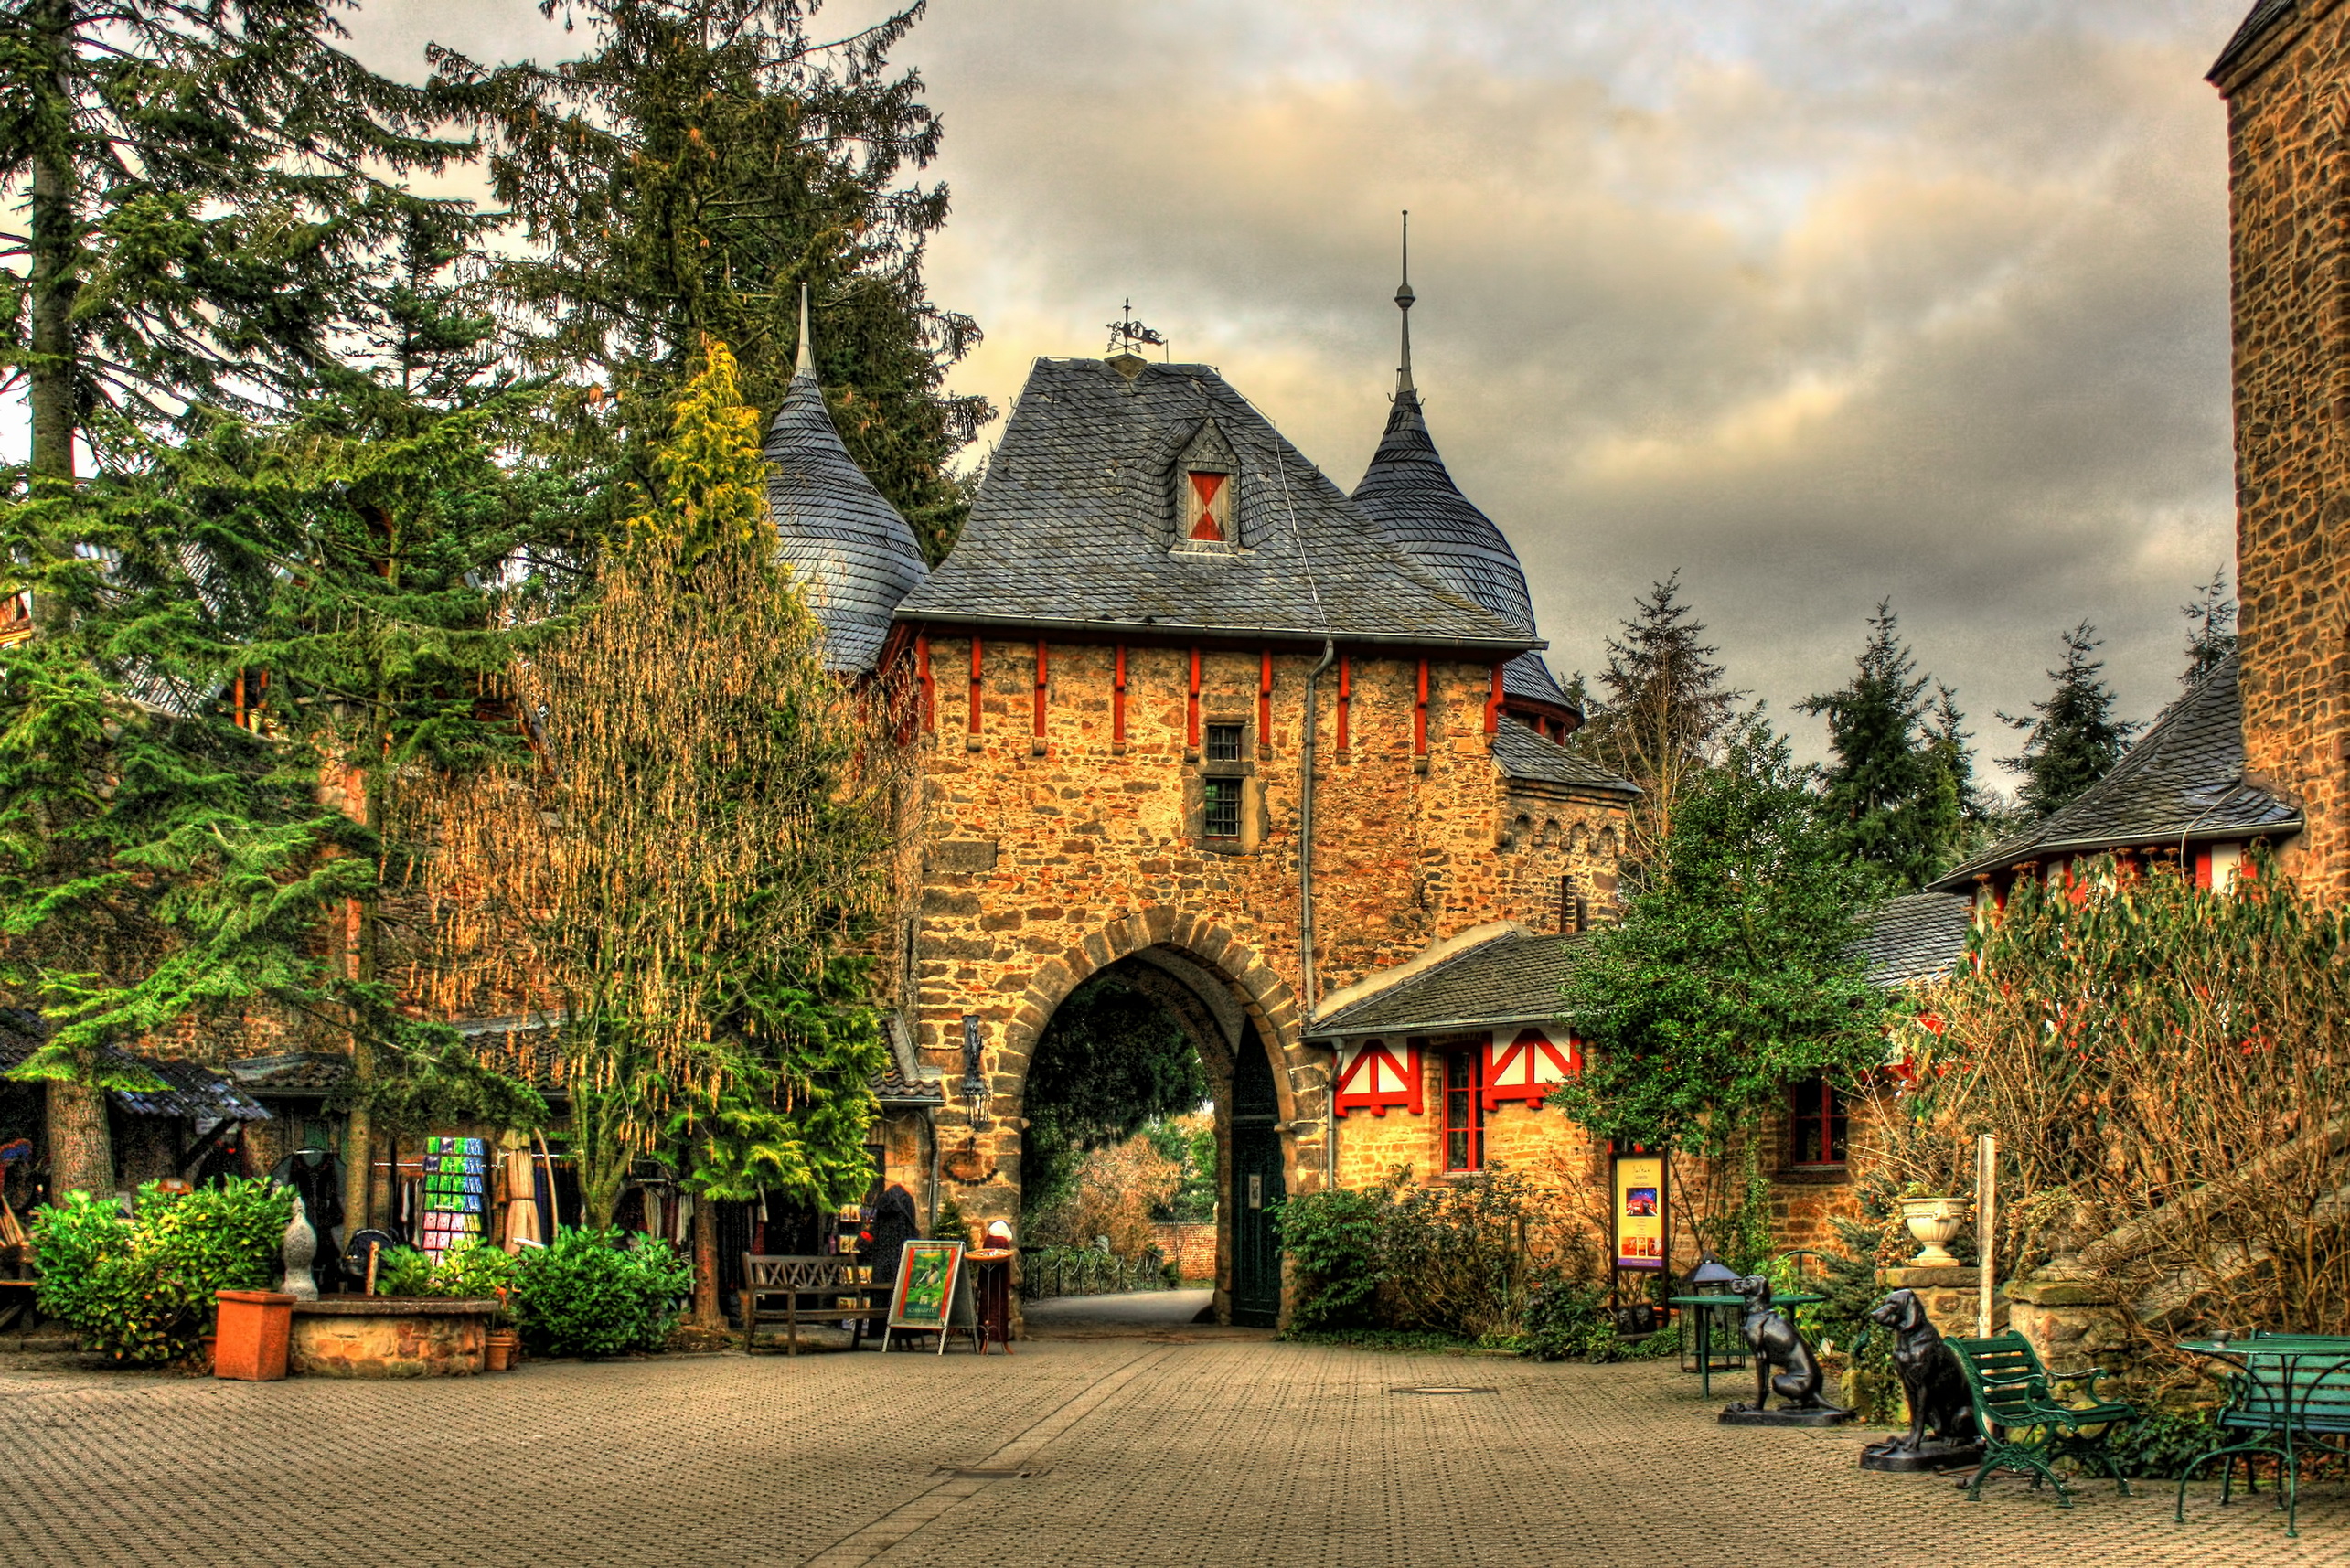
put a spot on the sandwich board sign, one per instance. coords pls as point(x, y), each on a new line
point(933, 1292)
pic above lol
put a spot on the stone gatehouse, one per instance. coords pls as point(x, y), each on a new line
point(1167, 656)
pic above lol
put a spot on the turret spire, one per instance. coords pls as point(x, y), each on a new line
point(806, 366)
point(1403, 298)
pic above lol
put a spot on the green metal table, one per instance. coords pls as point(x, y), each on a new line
point(1704, 1304)
point(2289, 1392)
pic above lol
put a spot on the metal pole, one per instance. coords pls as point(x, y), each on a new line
point(1986, 1227)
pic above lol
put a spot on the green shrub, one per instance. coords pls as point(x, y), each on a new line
point(1334, 1238)
point(591, 1294)
point(140, 1290)
point(2159, 1446)
point(472, 1268)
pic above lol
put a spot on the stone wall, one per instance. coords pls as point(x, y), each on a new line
point(2289, 163)
point(1046, 858)
point(389, 1336)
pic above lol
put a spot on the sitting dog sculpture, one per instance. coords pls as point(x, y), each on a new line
point(1785, 1363)
point(1939, 1402)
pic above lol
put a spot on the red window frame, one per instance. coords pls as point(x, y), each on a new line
point(1819, 1126)
point(1463, 1101)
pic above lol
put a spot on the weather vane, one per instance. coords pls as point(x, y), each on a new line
point(1127, 334)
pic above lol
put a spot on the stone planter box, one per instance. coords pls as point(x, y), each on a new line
point(390, 1336)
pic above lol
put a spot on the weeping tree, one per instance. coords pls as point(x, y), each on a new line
point(685, 873)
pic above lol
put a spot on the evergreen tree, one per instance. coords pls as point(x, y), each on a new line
point(1733, 974)
point(1963, 815)
point(684, 177)
point(1663, 716)
point(1882, 789)
point(209, 212)
point(2211, 627)
point(2071, 738)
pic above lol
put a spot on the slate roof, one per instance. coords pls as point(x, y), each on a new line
point(1523, 754)
point(1512, 978)
point(2183, 779)
point(297, 1072)
point(2264, 15)
point(850, 547)
point(188, 1090)
point(1918, 936)
point(1074, 528)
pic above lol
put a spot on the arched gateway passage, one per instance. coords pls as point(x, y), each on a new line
point(1269, 1095)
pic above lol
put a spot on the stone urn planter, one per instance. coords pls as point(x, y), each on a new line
point(1934, 1221)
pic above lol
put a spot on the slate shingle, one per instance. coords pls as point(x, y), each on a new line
point(1512, 978)
point(854, 552)
point(1523, 754)
point(2263, 16)
point(1918, 936)
point(1073, 528)
point(2183, 779)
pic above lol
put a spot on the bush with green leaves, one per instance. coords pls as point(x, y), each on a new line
point(590, 1293)
point(473, 1269)
point(140, 1288)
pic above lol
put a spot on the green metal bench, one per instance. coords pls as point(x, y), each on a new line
point(2024, 1427)
point(2291, 1394)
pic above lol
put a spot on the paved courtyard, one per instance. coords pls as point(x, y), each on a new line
point(1173, 1446)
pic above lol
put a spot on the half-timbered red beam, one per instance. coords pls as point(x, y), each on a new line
point(1118, 703)
point(927, 682)
point(1265, 700)
point(1191, 709)
point(1041, 680)
point(1345, 699)
point(1420, 713)
point(975, 690)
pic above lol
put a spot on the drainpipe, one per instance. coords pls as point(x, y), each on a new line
point(1305, 899)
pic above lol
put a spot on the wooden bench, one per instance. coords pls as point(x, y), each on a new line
point(2024, 1427)
point(811, 1290)
point(2291, 1394)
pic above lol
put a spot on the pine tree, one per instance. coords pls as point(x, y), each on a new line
point(2072, 739)
point(210, 210)
point(682, 178)
point(1662, 718)
point(1963, 815)
point(2211, 628)
point(1881, 790)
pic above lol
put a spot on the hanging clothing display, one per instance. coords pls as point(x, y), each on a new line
point(521, 1227)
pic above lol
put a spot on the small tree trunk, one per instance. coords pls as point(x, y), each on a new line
point(706, 1313)
point(81, 1153)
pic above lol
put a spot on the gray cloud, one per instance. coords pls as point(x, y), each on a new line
point(1814, 304)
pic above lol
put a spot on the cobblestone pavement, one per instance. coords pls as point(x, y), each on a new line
point(1177, 1449)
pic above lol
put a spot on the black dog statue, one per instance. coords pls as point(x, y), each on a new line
point(1941, 1410)
point(1785, 1363)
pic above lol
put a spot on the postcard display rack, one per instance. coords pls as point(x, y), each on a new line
point(456, 1193)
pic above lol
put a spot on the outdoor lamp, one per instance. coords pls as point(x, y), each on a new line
point(974, 1084)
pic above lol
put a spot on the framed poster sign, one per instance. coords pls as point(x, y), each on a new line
point(1640, 1211)
point(932, 1292)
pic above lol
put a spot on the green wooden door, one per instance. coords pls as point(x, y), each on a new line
point(1255, 1186)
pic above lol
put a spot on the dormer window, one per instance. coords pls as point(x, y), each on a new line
point(1207, 478)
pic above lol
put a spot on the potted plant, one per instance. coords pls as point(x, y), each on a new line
point(1933, 1219)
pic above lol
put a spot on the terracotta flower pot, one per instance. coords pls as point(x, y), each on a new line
point(255, 1325)
point(497, 1351)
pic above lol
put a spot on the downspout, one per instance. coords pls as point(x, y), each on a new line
point(1306, 899)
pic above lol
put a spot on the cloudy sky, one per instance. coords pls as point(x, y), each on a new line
point(1813, 302)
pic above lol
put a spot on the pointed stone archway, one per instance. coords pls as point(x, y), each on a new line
point(1227, 999)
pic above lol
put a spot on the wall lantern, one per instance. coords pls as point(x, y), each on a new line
point(974, 1083)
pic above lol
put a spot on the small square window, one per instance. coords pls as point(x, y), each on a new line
point(1219, 817)
point(1224, 742)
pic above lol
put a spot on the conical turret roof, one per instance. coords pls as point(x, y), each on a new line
point(850, 547)
point(1409, 493)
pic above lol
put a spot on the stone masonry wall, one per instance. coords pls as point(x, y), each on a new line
point(2289, 178)
point(1043, 864)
